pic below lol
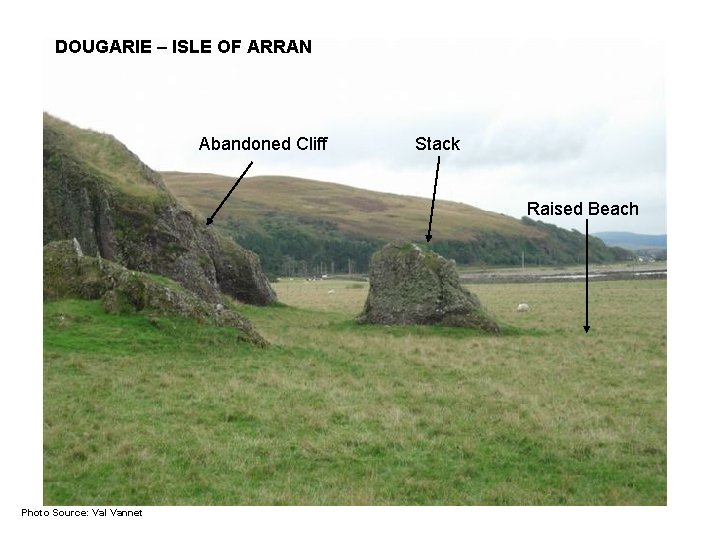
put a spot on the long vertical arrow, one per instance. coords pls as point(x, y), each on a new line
point(428, 236)
point(209, 220)
point(587, 291)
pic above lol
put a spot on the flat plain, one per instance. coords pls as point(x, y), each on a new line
point(144, 410)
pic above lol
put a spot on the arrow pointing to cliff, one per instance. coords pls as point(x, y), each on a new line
point(428, 236)
point(209, 220)
point(587, 295)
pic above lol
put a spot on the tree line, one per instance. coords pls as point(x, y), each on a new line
point(306, 247)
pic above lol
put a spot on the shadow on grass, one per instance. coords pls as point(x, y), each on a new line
point(435, 330)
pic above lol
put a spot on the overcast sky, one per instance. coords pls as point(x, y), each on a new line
point(562, 120)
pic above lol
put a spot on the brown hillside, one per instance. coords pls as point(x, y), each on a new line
point(369, 213)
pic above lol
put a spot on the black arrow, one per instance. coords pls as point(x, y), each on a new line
point(587, 296)
point(209, 220)
point(428, 236)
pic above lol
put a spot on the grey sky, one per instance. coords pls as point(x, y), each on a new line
point(553, 120)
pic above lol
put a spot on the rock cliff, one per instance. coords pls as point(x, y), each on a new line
point(96, 190)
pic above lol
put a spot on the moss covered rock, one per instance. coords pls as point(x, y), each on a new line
point(69, 274)
point(410, 285)
point(96, 190)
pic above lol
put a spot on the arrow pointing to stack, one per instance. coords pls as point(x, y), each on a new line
point(428, 236)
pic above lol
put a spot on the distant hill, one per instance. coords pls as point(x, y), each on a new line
point(301, 226)
point(633, 241)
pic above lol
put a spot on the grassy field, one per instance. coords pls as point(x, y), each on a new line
point(141, 411)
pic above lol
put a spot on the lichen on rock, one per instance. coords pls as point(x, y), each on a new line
point(410, 285)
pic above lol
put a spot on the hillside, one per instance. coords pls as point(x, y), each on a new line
point(629, 240)
point(354, 210)
point(99, 192)
point(300, 226)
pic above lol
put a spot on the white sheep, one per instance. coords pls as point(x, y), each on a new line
point(523, 307)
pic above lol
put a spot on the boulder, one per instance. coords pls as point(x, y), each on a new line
point(97, 191)
point(412, 285)
point(67, 274)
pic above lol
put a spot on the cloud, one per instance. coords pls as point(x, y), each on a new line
point(550, 119)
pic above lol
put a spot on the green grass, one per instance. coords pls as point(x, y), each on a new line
point(145, 410)
point(106, 158)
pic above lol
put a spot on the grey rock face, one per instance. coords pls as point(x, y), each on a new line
point(409, 285)
point(238, 272)
point(97, 191)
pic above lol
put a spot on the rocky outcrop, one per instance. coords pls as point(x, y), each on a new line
point(96, 190)
point(67, 273)
point(239, 274)
point(410, 285)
